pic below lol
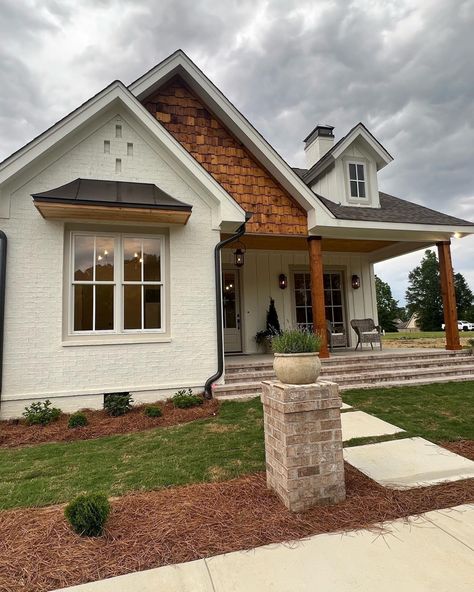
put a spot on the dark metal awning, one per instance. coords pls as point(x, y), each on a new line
point(111, 200)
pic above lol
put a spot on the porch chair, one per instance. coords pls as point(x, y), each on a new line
point(367, 332)
point(335, 338)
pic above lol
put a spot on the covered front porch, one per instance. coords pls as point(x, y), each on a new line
point(313, 280)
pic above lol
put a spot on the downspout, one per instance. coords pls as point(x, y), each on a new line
point(217, 272)
point(3, 270)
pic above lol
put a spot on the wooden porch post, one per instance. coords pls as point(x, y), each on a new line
point(317, 292)
point(449, 295)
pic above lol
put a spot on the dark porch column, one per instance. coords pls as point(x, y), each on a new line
point(449, 295)
point(317, 292)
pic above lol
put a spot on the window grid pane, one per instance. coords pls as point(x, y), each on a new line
point(357, 180)
point(142, 271)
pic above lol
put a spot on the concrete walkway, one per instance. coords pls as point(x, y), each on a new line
point(429, 553)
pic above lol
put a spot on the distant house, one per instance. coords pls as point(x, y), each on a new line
point(149, 228)
point(410, 326)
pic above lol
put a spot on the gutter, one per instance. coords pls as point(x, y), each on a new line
point(3, 269)
point(218, 280)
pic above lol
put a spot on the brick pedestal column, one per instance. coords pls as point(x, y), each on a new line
point(303, 443)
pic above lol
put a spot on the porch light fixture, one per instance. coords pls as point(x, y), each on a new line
point(282, 281)
point(239, 255)
point(355, 282)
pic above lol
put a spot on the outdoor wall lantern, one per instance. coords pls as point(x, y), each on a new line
point(239, 255)
point(355, 282)
point(282, 281)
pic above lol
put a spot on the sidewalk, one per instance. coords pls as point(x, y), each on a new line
point(429, 553)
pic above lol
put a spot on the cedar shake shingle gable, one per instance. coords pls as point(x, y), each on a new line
point(183, 114)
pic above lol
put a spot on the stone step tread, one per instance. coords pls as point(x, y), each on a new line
point(239, 397)
point(411, 382)
point(369, 378)
point(343, 368)
point(389, 357)
point(441, 370)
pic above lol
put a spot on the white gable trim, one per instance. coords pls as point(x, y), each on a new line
point(360, 131)
point(179, 63)
point(229, 209)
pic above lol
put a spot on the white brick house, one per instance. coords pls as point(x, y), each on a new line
point(116, 290)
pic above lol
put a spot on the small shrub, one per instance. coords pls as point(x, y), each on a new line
point(41, 413)
point(471, 343)
point(77, 420)
point(117, 403)
point(88, 513)
point(153, 411)
point(296, 341)
point(185, 398)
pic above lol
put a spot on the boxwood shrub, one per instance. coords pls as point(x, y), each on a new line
point(77, 420)
point(153, 411)
point(185, 399)
point(117, 403)
point(88, 513)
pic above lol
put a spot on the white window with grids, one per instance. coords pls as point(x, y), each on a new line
point(333, 299)
point(357, 181)
point(117, 284)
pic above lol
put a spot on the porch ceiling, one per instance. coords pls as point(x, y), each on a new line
point(300, 243)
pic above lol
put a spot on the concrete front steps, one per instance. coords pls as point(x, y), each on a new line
point(243, 378)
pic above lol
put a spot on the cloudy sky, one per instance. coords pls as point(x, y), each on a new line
point(403, 67)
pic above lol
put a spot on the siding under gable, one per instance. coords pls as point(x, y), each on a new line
point(183, 114)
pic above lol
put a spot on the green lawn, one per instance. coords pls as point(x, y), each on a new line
point(435, 411)
point(416, 335)
point(223, 447)
point(218, 448)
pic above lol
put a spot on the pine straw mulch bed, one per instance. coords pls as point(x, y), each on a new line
point(17, 433)
point(38, 552)
point(462, 447)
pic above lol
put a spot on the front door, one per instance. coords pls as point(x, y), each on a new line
point(231, 310)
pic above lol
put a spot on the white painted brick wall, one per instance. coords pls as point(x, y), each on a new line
point(36, 364)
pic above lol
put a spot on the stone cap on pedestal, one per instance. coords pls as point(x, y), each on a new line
point(294, 398)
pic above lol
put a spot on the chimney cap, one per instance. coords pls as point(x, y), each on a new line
point(321, 130)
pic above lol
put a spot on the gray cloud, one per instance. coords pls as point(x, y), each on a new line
point(404, 68)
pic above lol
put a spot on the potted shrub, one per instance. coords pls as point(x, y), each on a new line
point(296, 356)
point(264, 338)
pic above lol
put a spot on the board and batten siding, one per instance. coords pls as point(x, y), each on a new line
point(259, 283)
point(38, 362)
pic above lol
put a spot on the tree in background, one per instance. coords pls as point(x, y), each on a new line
point(464, 298)
point(423, 295)
point(387, 306)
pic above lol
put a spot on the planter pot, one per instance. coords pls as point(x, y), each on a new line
point(297, 368)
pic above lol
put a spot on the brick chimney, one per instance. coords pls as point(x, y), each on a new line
point(319, 141)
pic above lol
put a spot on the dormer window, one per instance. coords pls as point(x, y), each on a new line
point(357, 180)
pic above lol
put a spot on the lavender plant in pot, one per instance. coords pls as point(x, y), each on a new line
point(296, 359)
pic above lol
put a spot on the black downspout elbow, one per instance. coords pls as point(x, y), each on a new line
point(217, 271)
point(3, 273)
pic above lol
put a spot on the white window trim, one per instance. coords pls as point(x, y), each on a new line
point(118, 283)
point(350, 198)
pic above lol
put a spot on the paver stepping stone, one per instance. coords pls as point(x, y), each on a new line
point(358, 424)
point(345, 407)
point(411, 462)
point(458, 522)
